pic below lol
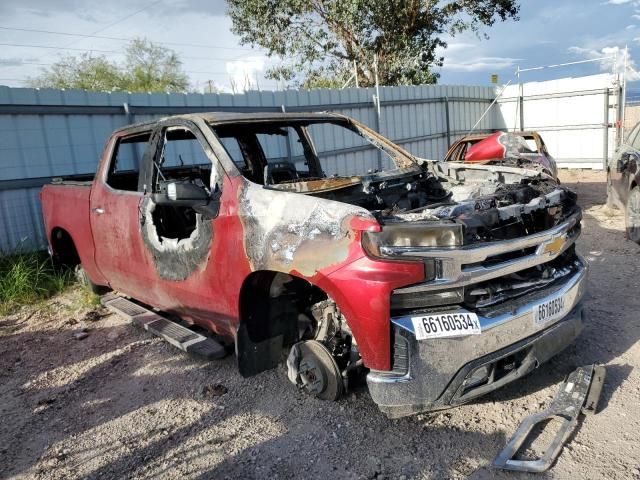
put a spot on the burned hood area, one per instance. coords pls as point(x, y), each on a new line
point(489, 206)
point(364, 169)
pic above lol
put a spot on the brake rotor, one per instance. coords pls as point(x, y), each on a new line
point(319, 372)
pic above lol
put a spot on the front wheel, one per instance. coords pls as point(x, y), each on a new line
point(632, 215)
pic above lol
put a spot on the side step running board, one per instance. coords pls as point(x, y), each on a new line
point(177, 335)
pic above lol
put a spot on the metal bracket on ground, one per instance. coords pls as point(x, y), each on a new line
point(579, 393)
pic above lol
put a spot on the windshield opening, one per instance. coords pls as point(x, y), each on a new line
point(289, 152)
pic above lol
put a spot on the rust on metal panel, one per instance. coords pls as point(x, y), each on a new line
point(320, 185)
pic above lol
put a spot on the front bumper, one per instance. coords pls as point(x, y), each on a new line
point(444, 372)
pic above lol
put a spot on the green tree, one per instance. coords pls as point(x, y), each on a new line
point(147, 68)
point(321, 39)
point(152, 68)
point(84, 72)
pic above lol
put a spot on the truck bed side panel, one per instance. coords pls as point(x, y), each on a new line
point(67, 207)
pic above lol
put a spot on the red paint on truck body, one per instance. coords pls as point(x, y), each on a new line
point(112, 253)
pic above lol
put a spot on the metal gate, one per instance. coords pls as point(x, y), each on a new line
point(578, 118)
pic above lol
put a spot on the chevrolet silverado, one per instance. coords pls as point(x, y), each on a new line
point(311, 239)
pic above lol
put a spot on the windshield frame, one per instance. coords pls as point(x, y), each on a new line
point(374, 141)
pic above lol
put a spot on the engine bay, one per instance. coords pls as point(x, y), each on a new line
point(488, 204)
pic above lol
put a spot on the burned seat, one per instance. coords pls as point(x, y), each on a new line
point(279, 172)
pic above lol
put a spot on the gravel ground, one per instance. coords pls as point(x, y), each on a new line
point(121, 403)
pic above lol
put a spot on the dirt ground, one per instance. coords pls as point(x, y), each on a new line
point(123, 404)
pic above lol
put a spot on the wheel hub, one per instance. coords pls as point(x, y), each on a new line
point(318, 371)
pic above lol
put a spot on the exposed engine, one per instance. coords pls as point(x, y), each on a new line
point(490, 205)
point(486, 204)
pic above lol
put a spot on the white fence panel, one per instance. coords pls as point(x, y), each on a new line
point(575, 116)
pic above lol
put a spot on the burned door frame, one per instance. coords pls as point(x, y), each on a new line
point(178, 259)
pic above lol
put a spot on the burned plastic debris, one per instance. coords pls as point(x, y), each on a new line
point(578, 394)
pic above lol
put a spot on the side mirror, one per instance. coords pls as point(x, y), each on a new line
point(181, 194)
point(623, 162)
point(187, 194)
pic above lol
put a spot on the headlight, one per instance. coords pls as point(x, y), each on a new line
point(403, 240)
point(410, 241)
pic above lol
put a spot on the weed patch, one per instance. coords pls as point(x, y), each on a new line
point(29, 277)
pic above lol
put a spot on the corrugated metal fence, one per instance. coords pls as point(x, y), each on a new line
point(48, 133)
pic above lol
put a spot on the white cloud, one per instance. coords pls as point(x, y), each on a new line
point(458, 46)
point(243, 74)
point(612, 59)
point(617, 2)
point(481, 64)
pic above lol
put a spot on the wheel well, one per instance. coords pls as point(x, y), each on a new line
point(64, 249)
point(273, 306)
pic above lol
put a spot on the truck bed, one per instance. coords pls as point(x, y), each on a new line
point(65, 206)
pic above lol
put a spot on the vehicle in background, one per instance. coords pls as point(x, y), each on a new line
point(514, 149)
point(443, 281)
point(623, 180)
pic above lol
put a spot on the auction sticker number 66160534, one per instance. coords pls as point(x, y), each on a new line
point(446, 325)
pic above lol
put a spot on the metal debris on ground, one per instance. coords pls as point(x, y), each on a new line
point(95, 315)
point(579, 393)
point(216, 390)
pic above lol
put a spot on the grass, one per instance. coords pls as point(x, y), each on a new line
point(27, 278)
point(88, 298)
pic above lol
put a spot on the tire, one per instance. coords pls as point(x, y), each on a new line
point(85, 281)
point(632, 215)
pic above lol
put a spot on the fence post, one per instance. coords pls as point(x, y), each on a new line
point(605, 131)
point(127, 112)
point(289, 158)
point(621, 108)
point(376, 106)
point(521, 111)
point(446, 112)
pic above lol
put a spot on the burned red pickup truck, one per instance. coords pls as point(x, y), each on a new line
point(440, 281)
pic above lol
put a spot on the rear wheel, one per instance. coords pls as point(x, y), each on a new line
point(85, 281)
point(632, 215)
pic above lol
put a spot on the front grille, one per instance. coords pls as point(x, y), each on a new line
point(503, 257)
point(478, 276)
point(502, 289)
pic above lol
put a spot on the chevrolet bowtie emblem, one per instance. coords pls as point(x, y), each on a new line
point(555, 246)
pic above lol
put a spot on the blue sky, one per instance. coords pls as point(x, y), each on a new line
point(549, 32)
